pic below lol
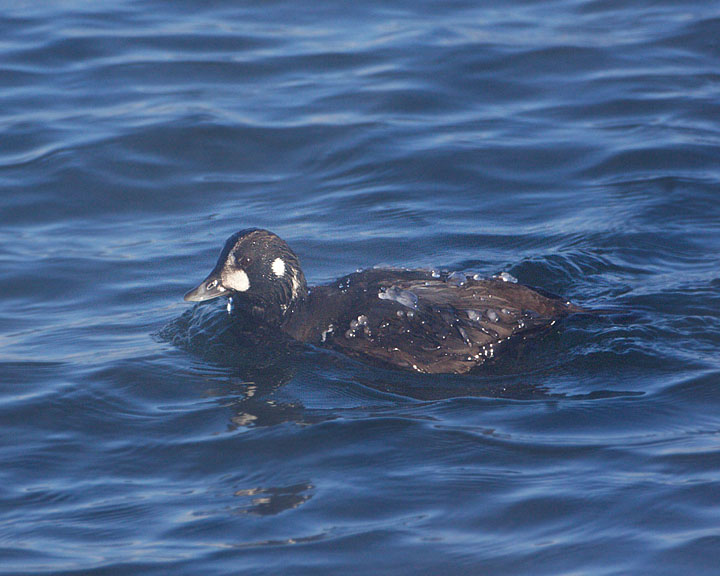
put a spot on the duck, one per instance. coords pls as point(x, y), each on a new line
point(412, 319)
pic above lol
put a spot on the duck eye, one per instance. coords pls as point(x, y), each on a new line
point(243, 261)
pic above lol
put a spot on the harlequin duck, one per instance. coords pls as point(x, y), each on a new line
point(413, 319)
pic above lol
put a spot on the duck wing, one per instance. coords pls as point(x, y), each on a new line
point(434, 325)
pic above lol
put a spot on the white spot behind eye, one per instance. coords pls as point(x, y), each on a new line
point(237, 280)
point(278, 267)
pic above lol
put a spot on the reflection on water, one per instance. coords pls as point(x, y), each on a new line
point(273, 500)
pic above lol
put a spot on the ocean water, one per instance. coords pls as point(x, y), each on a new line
point(572, 143)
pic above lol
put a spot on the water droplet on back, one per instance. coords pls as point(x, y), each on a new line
point(403, 297)
point(473, 315)
point(456, 279)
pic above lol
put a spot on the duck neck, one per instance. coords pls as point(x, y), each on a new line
point(314, 315)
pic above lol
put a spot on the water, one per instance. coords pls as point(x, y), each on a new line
point(573, 144)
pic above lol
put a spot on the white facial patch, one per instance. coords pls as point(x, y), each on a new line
point(278, 267)
point(237, 280)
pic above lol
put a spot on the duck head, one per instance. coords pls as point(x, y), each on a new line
point(259, 271)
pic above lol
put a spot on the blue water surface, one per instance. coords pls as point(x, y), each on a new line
point(572, 143)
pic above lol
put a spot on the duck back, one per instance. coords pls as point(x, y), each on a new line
point(419, 320)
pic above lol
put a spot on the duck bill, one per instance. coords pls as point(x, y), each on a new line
point(208, 289)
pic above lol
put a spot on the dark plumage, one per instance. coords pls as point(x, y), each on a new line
point(413, 319)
